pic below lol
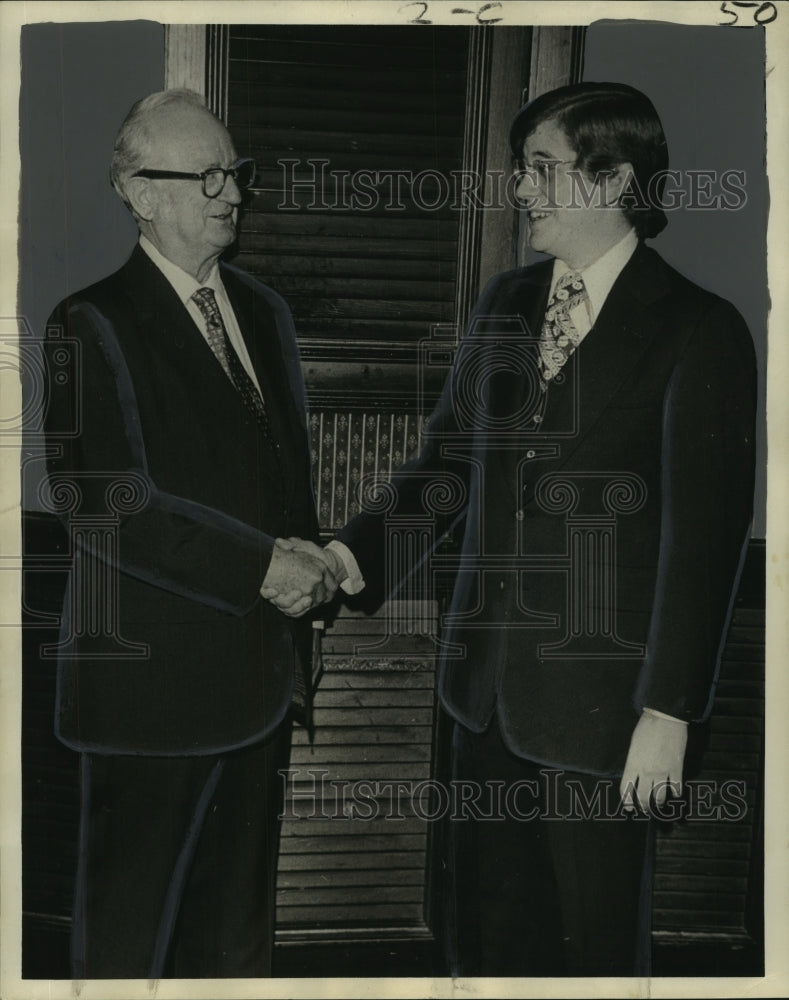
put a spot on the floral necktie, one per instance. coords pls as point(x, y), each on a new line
point(559, 337)
point(219, 342)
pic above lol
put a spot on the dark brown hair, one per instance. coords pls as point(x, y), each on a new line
point(607, 124)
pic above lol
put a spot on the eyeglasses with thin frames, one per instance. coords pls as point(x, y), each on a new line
point(213, 180)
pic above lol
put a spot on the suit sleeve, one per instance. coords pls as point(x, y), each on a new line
point(365, 534)
point(707, 480)
point(98, 468)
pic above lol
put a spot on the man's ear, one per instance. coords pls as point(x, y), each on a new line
point(618, 180)
point(142, 197)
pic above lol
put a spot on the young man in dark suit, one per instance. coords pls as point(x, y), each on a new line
point(598, 429)
point(190, 456)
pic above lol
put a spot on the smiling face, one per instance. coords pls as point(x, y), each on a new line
point(185, 226)
point(564, 220)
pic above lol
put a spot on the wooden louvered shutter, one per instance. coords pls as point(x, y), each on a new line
point(354, 853)
point(334, 116)
point(709, 875)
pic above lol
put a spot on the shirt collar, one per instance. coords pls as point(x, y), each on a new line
point(183, 283)
point(599, 276)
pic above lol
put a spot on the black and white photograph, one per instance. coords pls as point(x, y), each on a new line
point(394, 581)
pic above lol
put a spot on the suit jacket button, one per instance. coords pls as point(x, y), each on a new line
point(519, 515)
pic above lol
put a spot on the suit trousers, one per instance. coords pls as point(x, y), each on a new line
point(542, 880)
point(177, 866)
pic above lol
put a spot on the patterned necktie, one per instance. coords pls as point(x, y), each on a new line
point(219, 342)
point(559, 337)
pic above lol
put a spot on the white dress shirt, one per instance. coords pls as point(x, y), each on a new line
point(599, 278)
point(185, 286)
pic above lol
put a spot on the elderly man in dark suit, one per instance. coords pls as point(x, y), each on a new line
point(598, 430)
point(176, 676)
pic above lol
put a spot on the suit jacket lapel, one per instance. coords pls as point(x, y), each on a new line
point(155, 300)
point(257, 327)
point(626, 326)
point(166, 321)
point(258, 323)
point(180, 344)
point(622, 332)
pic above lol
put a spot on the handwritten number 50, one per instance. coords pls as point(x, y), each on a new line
point(763, 13)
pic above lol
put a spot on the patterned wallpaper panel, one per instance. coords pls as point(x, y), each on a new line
point(349, 445)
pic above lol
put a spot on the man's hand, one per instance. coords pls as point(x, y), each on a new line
point(654, 761)
point(328, 556)
point(297, 580)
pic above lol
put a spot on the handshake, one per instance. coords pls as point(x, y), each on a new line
point(301, 576)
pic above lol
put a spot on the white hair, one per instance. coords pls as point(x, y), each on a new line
point(132, 144)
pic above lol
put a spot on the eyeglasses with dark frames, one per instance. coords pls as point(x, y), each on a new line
point(213, 180)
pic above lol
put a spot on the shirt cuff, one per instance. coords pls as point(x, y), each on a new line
point(354, 581)
point(662, 715)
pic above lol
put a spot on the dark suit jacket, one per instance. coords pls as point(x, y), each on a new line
point(638, 475)
point(198, 500)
